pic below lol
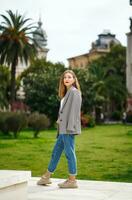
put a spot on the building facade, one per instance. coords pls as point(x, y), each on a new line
point(129, 70)
point(41, 40)
point(98, 48)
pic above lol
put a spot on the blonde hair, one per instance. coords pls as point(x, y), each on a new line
point(62, 87)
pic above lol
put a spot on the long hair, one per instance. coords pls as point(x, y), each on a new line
point(62, 87)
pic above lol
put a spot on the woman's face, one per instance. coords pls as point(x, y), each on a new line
point(68, 79)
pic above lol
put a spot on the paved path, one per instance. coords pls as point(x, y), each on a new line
point(88, 190)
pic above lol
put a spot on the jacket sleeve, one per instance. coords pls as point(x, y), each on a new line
point(74, 110)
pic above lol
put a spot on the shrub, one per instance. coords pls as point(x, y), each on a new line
point(87, 120)
point(38, 122)
point(116, 116)
point(3, 125)
point(129, 117)
point(20, 107)
point(16, 122)
point(91, 121)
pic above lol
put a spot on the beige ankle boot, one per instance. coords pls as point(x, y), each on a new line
point(44, 180)
point(68, 184)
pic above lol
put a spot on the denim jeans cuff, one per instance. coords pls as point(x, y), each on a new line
point(50, 171)
point(73, 174)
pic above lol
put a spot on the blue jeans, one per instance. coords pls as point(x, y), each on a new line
point(64, 142)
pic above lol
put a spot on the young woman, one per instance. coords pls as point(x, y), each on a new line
point(69, 125)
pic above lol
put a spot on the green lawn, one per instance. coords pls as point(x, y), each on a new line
point(103, 153)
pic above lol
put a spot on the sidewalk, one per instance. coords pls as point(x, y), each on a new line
point(88, 190)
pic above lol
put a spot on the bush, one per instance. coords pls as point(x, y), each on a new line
point(116, 116)
point(38, 122)
point(3, 125)
point(129, 117)
point(87, 120)
point(16, 122)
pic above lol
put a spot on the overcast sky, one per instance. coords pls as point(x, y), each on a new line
point(72, 25)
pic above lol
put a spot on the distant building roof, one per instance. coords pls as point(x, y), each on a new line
point(41, 37)
point(102, 44)
point(104, 40)
point(98, 48)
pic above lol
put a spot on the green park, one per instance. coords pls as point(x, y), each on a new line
point(103, 150)
point(103, 153)
point(29, 104)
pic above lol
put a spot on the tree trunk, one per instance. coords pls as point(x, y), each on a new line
point(13, 83)
point(36, 134)
point(98, 112)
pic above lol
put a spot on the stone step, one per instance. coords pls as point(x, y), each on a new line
point(88, 190)
point(13, 184)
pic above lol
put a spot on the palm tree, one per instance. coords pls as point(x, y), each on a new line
point(97, 75)
point(16, 43)
point(108, 88)
point(4, 85)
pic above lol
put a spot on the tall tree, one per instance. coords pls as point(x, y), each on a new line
point(16, 43)
point(41, 82)
point(4, 86)
point(108, 76)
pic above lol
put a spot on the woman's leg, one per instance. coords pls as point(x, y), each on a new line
point(71, 158)
point(56, 154)
point(69, 149)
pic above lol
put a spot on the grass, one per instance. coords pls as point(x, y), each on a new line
point(103, 153)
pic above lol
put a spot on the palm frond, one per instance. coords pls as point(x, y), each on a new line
point(7, 20)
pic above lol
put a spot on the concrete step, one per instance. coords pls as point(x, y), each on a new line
point(13, 184)
point(88, 190)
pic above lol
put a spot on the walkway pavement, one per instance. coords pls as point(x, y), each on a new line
point(88, 190)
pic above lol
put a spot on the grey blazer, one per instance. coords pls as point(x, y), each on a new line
point(69, 115)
